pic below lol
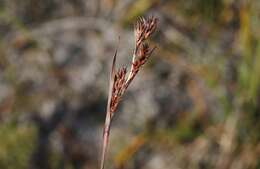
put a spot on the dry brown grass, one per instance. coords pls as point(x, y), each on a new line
point(120, 79)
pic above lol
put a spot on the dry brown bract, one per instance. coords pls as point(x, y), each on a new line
point(119, 80)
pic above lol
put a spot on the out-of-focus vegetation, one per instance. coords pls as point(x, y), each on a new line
point(196, 104)
point(16, 145)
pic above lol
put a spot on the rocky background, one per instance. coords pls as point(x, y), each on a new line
point(194, 105)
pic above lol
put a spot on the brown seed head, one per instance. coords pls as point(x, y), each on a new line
point(151, 26)
point(118, 80)
point(118, 87)
point(144, 28)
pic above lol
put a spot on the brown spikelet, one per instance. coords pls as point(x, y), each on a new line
point(118, 88)
point(121, 79)
point(144, 28)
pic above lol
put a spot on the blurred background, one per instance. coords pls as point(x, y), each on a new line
point(194, 105)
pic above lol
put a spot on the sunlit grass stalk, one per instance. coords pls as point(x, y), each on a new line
point(120, 79)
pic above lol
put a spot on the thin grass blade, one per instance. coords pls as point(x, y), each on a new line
point(108, 113)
